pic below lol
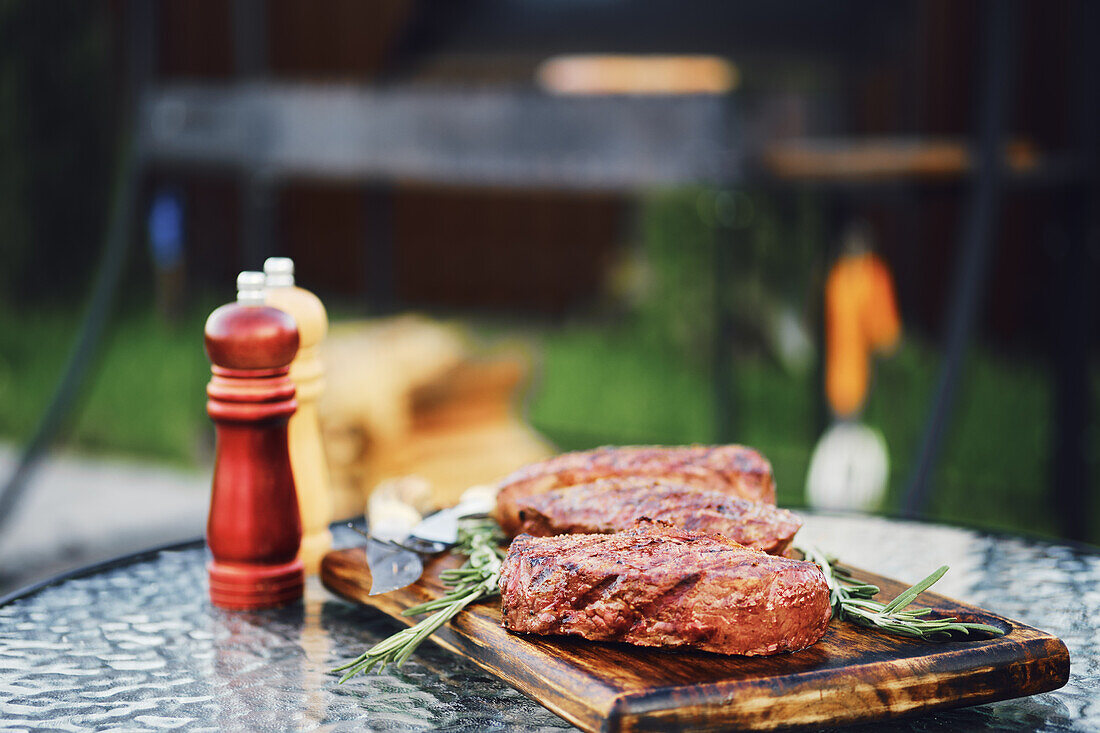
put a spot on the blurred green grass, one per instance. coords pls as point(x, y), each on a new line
point(597, 388)
point(145, 394)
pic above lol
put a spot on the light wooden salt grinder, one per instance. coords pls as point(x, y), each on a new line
point(307, 455)
point(253, 531)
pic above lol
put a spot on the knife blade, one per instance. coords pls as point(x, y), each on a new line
point(399, 562)
point(391, 566)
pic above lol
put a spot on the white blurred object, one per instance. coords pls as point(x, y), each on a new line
point(481, 496)
point(396, 506)
point(848, 468)
point(392, 519)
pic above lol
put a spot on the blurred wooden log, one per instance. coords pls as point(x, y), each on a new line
point(406, 399)
point(452, 460)
point(372, 369)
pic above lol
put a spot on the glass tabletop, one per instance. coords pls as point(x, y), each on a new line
point(136, 644)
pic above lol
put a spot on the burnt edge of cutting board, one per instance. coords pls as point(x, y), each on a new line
point(851, 675)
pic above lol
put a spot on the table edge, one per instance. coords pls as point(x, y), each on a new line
point(117, 561)
point(1040, 539)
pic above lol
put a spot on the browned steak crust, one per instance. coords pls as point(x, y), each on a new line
point(616, 504)
point(732, 469)
point(660, 586)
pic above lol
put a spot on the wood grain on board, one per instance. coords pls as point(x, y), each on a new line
point(851, 675)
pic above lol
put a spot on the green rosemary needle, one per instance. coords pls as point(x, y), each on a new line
point(852, 601)
point(478, 578)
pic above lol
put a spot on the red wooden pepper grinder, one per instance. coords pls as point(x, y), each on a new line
point(254, 529)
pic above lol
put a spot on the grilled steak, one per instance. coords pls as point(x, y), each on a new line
point(655, 585)
point(616, 504)
point(731, 469)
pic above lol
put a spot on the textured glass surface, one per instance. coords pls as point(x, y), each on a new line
point(138, 646)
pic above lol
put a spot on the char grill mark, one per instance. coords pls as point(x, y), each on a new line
point(730, 469)
point(668, 598)
point(596, 592)
point(659, 586)
point(614, 505)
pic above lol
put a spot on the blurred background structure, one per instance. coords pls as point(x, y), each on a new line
point(615, 220)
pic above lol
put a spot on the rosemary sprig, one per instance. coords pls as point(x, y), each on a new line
point(852, 601)
point(478, 578)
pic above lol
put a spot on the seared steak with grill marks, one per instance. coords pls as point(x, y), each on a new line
point(616, 504)
point(731, 469)
point(659, 586)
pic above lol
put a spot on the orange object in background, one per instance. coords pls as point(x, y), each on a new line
point(861, 316)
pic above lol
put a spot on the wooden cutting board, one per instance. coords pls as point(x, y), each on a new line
point(851, 675)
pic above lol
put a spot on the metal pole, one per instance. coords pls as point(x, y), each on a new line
point(1001, 20)
point(140, 52)
point(1073, 300)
